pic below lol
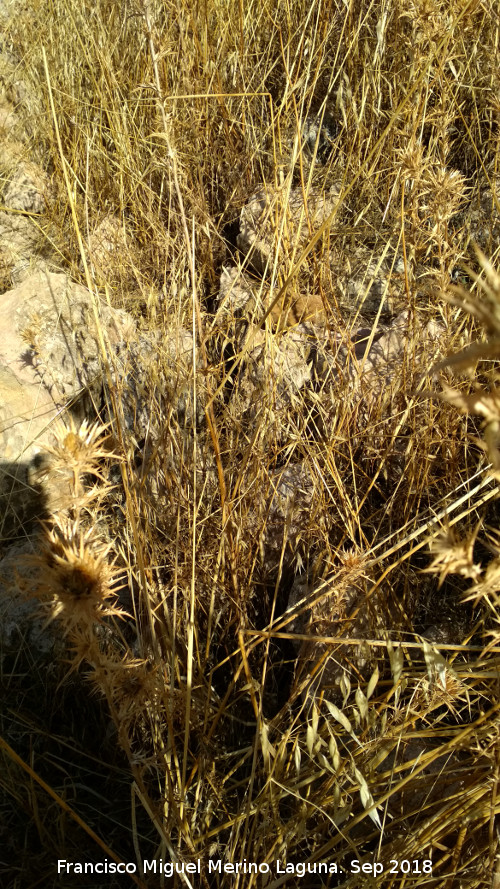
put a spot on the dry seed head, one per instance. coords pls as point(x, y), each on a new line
point(80, 448)
point(131, 684)
point(84, 647)
point(453, 556)
point(446, 192)
point(412, 162)
point(76, 580)
point(487, 588)
point(441, 691)
point(429, 20)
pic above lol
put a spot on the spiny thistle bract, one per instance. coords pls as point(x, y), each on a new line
point(243, 738)
point(76, 580)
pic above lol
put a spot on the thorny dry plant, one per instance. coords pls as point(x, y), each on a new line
point(360, 720)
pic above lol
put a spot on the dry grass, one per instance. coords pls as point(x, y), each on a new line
point(385, 747)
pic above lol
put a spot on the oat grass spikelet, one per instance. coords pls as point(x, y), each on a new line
point(291, 685)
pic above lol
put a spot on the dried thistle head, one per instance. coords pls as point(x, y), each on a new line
point(84, 647)
point(76, 582)
point(453, 556)
point(412, 162)
point(487, 589)
point(80, 448)
point(446, 192)
point(484, 401)
point(134, 691)
point(130, 684)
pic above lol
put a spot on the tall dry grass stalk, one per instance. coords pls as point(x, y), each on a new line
point(235, 731)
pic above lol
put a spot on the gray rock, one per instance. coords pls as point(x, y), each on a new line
point(368, 284)
point(26, 193)
point(275, 217)
point(318, 134)
point(153, 376)
point(49, 352)
point(67, 333)
point(28, 189)
point(274, 372)
point(370, 361)
point(21, 622)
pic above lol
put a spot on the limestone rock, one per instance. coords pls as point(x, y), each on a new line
point(241, 296)
point(309, 142)
point(278, 216)
point(26, 192)
point(317, 136)
point(153, 377)
point(370, 361)
point(8, 118)
point(111, 253)
point(105, 242)
point(49, 352)
point(274, 372)
point(28, 189)
point(368, 284)
point(19, 242)
point(26, 412)
point(65, 331)
point(238, 293)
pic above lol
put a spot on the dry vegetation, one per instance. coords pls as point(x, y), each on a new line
point(192, 714)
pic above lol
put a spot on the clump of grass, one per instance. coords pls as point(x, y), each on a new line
point(237, 747)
